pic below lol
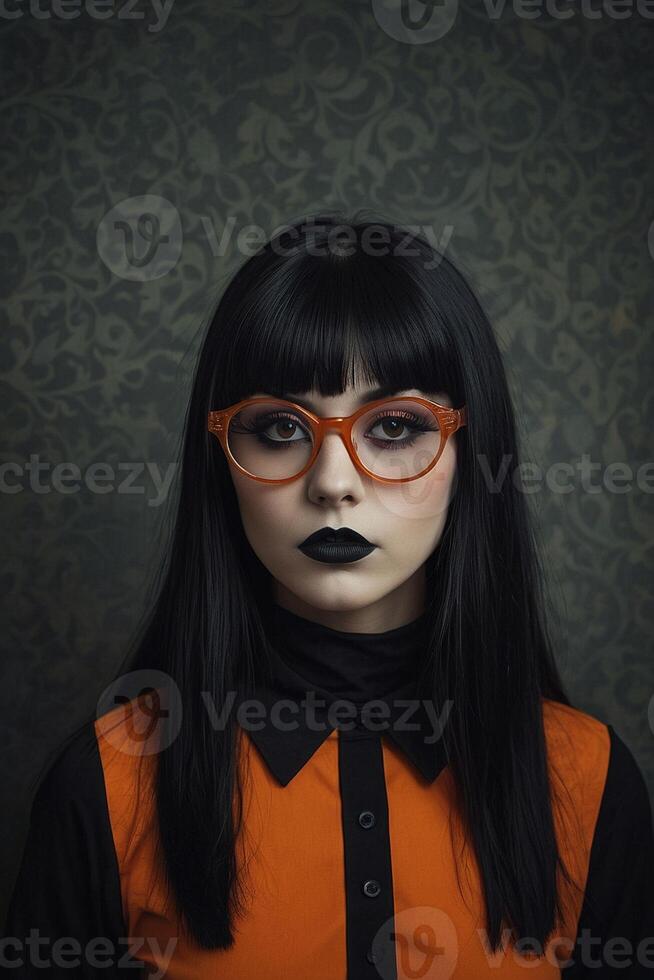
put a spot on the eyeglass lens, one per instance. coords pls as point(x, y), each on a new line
point(396, 440)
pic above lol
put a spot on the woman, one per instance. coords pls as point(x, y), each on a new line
point(361, 761)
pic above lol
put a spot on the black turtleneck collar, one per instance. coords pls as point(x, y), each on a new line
point(357, 666)
point(305, 656)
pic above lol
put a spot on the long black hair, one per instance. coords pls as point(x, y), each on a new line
point(302, 313)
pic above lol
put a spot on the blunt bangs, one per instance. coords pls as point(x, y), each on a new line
point(325, 322)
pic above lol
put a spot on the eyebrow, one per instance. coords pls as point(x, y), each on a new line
point(383, 391)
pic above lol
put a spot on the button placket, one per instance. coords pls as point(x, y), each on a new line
point(367, 852)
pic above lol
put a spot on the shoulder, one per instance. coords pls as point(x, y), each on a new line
point(106, 763)
point(578, 749)
point(580, 739)
point(593, 761)
point(73, 774)
point(567, 727)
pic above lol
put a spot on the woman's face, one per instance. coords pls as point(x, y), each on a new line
point(380, 591)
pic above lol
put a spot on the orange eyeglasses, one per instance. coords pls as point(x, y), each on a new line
point(273, 440)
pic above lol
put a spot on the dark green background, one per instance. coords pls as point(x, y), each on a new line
point(530, 139)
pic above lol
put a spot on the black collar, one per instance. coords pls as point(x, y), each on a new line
point(410, 720)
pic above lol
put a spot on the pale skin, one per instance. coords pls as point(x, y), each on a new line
point(382, 591)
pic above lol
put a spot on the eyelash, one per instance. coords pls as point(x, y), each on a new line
point(260, 424)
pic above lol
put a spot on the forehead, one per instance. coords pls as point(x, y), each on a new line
point(354, 396)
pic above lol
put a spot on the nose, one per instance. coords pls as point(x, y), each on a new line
point(333, 473)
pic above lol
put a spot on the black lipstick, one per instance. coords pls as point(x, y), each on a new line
point(336, 546)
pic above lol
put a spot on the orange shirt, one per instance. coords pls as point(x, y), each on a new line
point(304, 868)
point(347, 854)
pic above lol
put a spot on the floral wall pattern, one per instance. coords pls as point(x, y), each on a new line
point(524, 143)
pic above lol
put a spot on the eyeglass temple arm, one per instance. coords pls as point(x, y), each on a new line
point(215, 422)
point(452, 419)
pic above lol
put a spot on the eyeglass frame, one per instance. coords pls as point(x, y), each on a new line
point(450, 420)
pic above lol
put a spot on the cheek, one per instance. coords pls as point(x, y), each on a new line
point(420, 502)
point(265, 511)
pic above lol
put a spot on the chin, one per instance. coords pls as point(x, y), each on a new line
point(333, 600)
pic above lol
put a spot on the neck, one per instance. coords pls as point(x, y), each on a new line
point(359, 666)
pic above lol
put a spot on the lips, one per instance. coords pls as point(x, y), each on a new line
point(333, 535)
point(336, 546)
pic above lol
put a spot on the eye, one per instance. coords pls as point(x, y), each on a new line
point(394, 424)
point(391, 425)
point(274, 428)
point(285, 427)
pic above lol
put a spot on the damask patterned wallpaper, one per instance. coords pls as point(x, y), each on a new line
point(518, 134)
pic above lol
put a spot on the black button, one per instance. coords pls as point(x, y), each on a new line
point(371, 888)
point(367, 819)
point(371, 956)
